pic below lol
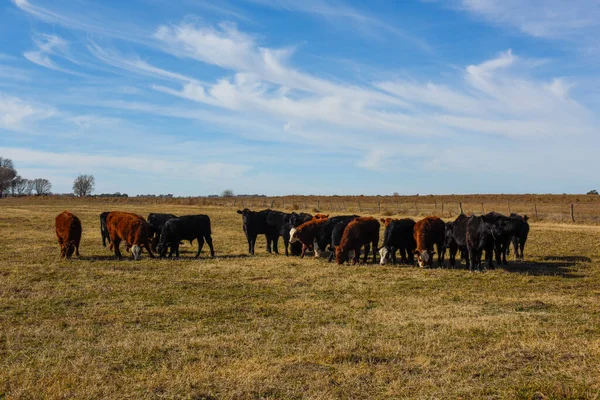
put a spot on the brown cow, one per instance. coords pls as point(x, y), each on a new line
point(130, 228)
point(68, 232)
point(359, 232)
point(428, 232)
point(306, 234)
point(321, 216)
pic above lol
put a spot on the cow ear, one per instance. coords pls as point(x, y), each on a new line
point(382, 220)
point(525, 217)
point(239, 211)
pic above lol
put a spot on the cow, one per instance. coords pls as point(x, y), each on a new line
point(103, 228)
point(187, 227)
point(456, 239)
point(294, 221)
point(507, 229)
point(520, 237)
point(254, 224)
point(398, 236)
point(481, 235)
point(306, 234)
point(325, 238)
point(359, 232)
point(321, 216)
point(428, 232)
point(336, 235)
point(156, 222)
point(68, 232)
point(280, 221)
point(130, 228)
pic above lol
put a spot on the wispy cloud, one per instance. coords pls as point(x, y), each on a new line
point(14, 112)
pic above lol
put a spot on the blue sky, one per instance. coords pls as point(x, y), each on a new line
point(192, 97)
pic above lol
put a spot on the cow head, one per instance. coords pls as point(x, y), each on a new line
point(321, 216)
point(386, 221)
point(246, 214)
point(293, 235)
point(69, 249)
point(340, 256)
point(425, 258)
point(136, 251)
point(383, 253)
point(449, 234)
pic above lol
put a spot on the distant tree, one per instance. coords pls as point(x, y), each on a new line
point(18, 186)
point(29, 186)
point(7, 174)
point(83, 185)
point(42, 186)
point(593, 192)
point(227, 193)
point(396, 194)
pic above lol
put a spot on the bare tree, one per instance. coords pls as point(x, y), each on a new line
point(29, 186)
point(41, 186)
point(227, 193)
point(18, 186)
point(7, 174)
point(83, 185)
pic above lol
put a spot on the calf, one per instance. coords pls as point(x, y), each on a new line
point(130, 228)
point(398, 236)
point(156, 222)
point(306, 234)
point(103, 228)
point(187, 227)
point(68, 232)
point(280, 221)
point(428, 232)
point(481, 234)
point(456, 238)
point(325, 236)
point(336, 235)
point(254, 224)
point(295, 220)
point(359, 232)
point(507, 229)
point(520, 237)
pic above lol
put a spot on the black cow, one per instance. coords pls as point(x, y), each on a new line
point(456, 239)
point(508, 227)
point(283, 223)
point(325, 236)
point(481, 234)
point(254, 224)
point(156, 222)
point(336, 236)
point(520, 237)
point(104, 229)
point(399, 236)
point(187, 227)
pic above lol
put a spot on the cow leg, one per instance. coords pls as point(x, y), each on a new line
point(356, 258)
point(331, 254)
point(304, 248)
point(374, 245)
point(200, 244)
point(441, 254)
point(490, 259)
point(77, 249)
point(367, 249)
point(208, 239)
point(522, 246)
point(473, 258)
point(286, 243)
point(251, 243)
point(269, 240)
point(115, 243)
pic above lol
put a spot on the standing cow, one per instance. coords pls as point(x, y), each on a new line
point(187, 227)
point(428, 232)
point(481, 234)
point(359, 232)
point(520, 237)
point(156, 222)
point(130, 228)
point(398, 236)
point(68, 232)
point(254, 224)
point(307, 234)
point(456, 239)
point(103, 228)
point(295, 220)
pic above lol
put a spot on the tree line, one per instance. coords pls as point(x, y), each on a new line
point(13, 184)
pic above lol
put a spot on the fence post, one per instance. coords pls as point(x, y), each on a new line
point(482, 210)
point(509, 212)
point(344, 203)
point(416, 209)
point(359, 210)
point(460, 207)
point(572, 213)
point(442, 209)
point(535, 207)
point(234, 202)
point(398, 206)
point(318, 204)
point(379, 205)
point(330, 205)
point(283, 202)
point(272, 202)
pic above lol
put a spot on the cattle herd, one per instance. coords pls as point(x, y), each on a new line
point(302, 232)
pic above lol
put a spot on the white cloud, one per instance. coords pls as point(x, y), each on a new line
point(14, 112)
point(50, 45)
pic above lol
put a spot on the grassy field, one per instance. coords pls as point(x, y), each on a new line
point(240, 327)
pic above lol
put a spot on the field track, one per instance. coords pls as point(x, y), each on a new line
point(274, 327)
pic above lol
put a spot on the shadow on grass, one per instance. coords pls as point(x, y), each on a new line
point(575, 259)
point(560, 268)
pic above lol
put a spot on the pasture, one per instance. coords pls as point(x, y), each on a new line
point(275, 327)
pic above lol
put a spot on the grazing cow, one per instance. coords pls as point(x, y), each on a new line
point(428, 232)
point(398, 236)
point(254, 224)
point(336, 235)
point(68, 232)
point(307, 233)
point(481, 234)
point(156, 222)
point(280, 222)
point(130, 228)
point(103, 228)
point(325, 236)
point(295, 220)
point(187, 227)
point(507, 229)
point(359, 232)
point(456, 239)
point(520, 237)
point(321, 216)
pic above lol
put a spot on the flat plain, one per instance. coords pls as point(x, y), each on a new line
point(269, 326)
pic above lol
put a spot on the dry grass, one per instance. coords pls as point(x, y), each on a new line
point(274, 327)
